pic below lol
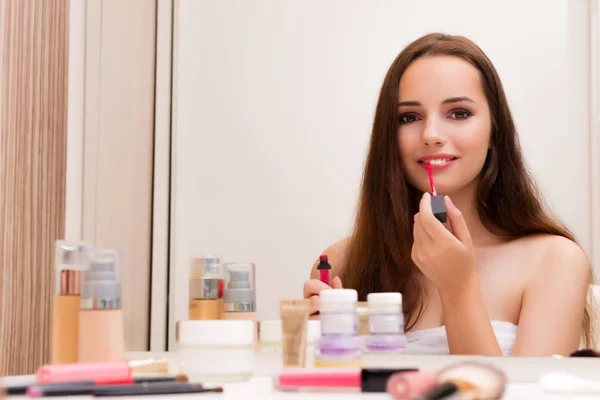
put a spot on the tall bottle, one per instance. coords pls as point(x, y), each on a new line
point(206, 288)
point(68, 265)
point(239, 298)
point(101, 324)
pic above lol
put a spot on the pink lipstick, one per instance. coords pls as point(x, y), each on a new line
point(437, 201)
point(324, 269)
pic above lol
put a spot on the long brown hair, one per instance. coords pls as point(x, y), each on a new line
point(379, 253)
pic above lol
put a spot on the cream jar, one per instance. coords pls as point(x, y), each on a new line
point(216, 351)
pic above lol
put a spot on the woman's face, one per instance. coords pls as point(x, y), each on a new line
point(443, 118)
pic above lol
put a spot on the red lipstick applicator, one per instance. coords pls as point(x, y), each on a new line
point(437, 201)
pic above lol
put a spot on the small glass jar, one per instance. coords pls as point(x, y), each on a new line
point(386, 323)
point(339, 344)
point(216, 351)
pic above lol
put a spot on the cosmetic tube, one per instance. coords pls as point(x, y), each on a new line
point(239, 298)
point(294, 320)
point(362, 309)
point(335, 379)
point(324, 269)
point(386, 323)
point(101, 372)
point(206, 288)
point(65, 306)
point(339, 344)
point(101, 330)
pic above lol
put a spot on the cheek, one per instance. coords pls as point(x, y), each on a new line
point(408, 144)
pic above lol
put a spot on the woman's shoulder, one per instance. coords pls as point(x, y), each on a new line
point(553, 253)
point(337, 254)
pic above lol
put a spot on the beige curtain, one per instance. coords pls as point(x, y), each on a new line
point(33, 120)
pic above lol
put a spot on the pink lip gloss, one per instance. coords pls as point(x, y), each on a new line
point(324, 269)
point(437, 201)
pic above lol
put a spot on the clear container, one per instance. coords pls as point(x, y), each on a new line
point(386, 323)
point(339, 343)
point(215, 351)
point(240, 293)
point(206, 287)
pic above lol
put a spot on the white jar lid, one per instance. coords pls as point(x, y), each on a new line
point(338, 299)
point(313, 331)
point(384, 302)
point(215, 333)
point(387, 298)
point(270, 331)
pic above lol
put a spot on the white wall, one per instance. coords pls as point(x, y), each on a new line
point(274, 104)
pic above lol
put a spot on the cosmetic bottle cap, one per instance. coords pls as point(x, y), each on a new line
point(215, 333)
point(375, 380)
point(384, 302)
point(68, 263)
point(239, 293)
point(101, 286)
point(338, 300)
point(206, 277)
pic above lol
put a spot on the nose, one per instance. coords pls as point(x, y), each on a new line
point(432, 136)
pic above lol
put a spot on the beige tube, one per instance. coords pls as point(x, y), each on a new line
point(363, 317)
point(65, 330)
point(101, 335)
point(294, 318)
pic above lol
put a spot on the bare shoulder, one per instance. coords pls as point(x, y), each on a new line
point(554, 254)
point(337, 254)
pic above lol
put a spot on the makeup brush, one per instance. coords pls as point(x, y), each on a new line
point(437, 201)
point(88, 387)
point(466, 380)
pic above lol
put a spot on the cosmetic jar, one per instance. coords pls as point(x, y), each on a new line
point(215, 351)
point(239, 297)
point(339, 343)
point(386, 323)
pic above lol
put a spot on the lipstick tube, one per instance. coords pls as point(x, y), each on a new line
point(65, 305)
point(206, 287)
point(101, 330)
point(239, 297)
point(324, 269)
point(102, 371)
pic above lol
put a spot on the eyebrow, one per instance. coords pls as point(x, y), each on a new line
point(447, 101)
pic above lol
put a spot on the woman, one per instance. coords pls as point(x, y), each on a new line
point(501, 260)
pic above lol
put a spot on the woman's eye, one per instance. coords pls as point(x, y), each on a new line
point(407, 118)
point(460, 114)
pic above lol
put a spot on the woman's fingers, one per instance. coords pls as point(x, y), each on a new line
point(337, 283)
point(314, 286)
point(314, 304)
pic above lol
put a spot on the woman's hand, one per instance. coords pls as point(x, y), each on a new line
point(444, 255)
point(313, 287)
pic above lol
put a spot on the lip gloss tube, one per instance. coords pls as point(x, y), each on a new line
point(65, 305)
point(101, 323)
point(324, 269)
point(101, 372)
point(438, 207)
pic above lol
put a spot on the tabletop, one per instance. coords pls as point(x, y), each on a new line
point(523, 374)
